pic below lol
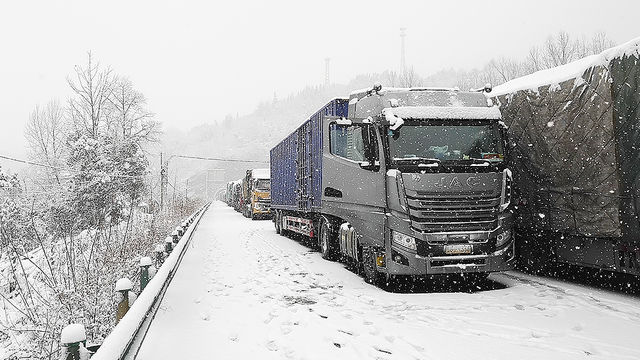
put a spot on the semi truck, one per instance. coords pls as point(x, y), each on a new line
point(256, 192)
point(237, 200)
point(574, 134)
point(403, 182)
point(228, 195)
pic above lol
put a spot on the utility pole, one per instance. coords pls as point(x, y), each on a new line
point(175, 183)
point(403, 60)
point(327, 79)
point(163, 181)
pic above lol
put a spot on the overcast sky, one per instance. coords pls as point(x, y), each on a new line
point(197, 61)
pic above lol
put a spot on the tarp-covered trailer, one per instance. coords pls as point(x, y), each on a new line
point(296, 163)
point(575, 137)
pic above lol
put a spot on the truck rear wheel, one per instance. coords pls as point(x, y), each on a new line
point(325, 241)
point(277, 222)
point(370, 268)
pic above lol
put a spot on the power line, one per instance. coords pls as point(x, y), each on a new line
point(66, 169)
point(29, 162)
point(220, 159)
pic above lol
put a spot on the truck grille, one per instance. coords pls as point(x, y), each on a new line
point(464, 212)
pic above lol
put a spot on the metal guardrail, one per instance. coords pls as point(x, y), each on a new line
point(127, 337)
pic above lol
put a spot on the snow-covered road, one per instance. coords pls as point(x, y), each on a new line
point(244, 292)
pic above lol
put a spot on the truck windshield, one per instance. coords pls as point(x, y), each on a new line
point(439, 141)
point(262, 184)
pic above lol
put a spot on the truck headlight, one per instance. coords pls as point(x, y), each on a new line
point(403, 240)
point(503, 238)
point(507, 183)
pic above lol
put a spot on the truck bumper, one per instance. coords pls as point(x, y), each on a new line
point(403, 262)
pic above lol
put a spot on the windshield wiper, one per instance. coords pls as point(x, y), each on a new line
point(422, 162)
point(479, 162)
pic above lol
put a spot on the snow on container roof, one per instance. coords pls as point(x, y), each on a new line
point(446, 112)
point(261, 173)
point(397, 89)
point(73, 333)
point(569, 71)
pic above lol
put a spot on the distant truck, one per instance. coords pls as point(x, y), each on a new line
point(256, 192)
point(575, 137)
point(236, 196)
point(228, 194)
point(400, 181)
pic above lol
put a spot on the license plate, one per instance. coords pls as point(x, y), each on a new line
point(458, 249)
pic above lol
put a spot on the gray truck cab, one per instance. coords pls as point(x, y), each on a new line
point(419, 179)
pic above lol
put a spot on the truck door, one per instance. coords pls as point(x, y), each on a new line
point(353, 182)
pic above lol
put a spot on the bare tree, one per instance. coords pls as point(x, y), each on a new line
point(92, 87)
point(559, 50)
point(46, 134)
point(534, 61)
point(601, 42)
point(391, 78)
point(409, 78)
point(582, 48)
point(506, 69)
point(129, 116)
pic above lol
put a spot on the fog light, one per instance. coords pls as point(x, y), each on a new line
point(503, 238)
point(399, 258)
point(380, 260)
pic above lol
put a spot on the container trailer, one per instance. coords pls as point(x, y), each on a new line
point(403, 182)
point(237, 199)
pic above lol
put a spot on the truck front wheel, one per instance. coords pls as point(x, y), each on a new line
point(371, 273)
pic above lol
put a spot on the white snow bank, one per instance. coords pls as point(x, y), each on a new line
point(145, 261)
point(445, 112)
point(261, 173)
point(117, 340)
point(569, 71)
point(124, 284)
point(73, 333)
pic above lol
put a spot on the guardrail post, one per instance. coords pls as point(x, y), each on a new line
point(123, 285)
point(72, 338)
point(168, 245)
point(175, 236)
point(145, 263)
point(159, 255)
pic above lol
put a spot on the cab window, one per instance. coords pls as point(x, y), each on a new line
point(353, 142)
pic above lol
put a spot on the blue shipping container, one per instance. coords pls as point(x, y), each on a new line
point(296, 163)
